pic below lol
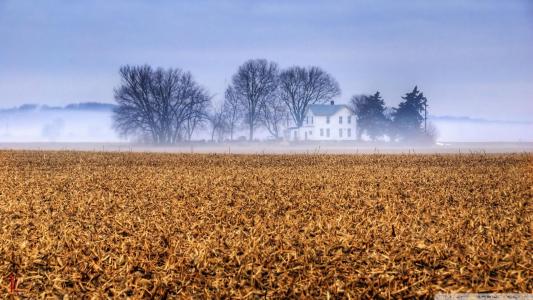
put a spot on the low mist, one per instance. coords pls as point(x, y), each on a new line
point(483, 131)
point(64, 125)
point(56, 125)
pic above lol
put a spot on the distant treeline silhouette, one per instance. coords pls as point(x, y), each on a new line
point(166, 106)
point(85, 106)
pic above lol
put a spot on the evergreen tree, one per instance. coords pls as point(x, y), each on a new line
point(390, 130)
point(410, 115)
point(370, 111)
point(360, 107)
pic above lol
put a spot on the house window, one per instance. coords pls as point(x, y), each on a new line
point(321, 131)
point(340, 132)
point(327, 120)
point(310, 132)
point(307, 120)
point(349, 133)
point(312, 121)
point(340, 119)
point(327, 132)
point(349, 119)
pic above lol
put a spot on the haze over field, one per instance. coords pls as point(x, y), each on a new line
point(95, 125)
point(470, 58)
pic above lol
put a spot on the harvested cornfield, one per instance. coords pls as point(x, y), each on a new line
point(276, 226)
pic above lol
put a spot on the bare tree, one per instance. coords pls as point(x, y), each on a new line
point(218, 124)
point(190, 101)
point(254, 82)
point(301, 87)
point(135, 113)
point(196, 119)
point(273, 113)
point(156, 103)
point(232, 110)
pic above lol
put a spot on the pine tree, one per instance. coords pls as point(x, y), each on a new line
point(411, 114)
point(370, 111)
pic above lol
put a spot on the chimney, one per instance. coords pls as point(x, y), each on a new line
point(332, 102)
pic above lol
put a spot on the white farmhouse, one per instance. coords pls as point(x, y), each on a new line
point(325, 122)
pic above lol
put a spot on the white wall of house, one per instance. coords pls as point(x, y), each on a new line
point(339, 126)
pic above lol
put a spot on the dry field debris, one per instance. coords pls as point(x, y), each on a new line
point(276, 226)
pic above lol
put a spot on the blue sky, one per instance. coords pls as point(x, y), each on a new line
point(470, 58)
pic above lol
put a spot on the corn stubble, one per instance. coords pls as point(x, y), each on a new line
point(249, 226)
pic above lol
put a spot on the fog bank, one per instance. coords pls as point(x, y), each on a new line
point(94, 125)
point(57, 125)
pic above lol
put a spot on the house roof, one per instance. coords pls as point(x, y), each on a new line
point(326, 109)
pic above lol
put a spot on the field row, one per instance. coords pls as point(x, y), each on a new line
point(178, 225)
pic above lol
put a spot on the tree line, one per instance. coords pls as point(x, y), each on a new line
point(167, 106)
point(407, 122)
